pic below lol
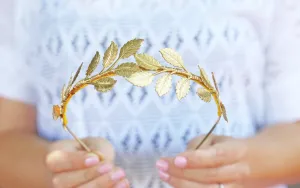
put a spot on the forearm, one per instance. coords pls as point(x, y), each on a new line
point(274, 155)
point(22, 161)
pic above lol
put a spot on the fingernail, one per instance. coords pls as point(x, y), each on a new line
point(162, 165)
point(122, 185)
point(118, 175)
point(55, 155)
point(180, 162)
point(164, 176)
point(91, 161)
point(105, 168)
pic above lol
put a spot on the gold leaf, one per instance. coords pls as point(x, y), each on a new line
point(69, 85)
point(77, 73)
point(93, 65)
point(182, 88)
point(224, 112)
point(147, 61)
point(204, 94)
point(172, 57)
point(141, 79)
point(127, 69)
point(204, 77)
point(215, 82)
point(110, 55)
point(63, 92)
point(163, 84)
point(56, 112)
point(104, 84)
point(130, 48)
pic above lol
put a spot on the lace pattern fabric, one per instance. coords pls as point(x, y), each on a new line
point(255, 63)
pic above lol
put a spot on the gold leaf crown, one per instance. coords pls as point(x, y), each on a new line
point(140, 74)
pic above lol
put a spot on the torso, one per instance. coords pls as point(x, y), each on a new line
point(220, 37)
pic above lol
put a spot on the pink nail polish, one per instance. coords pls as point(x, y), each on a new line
point(164, 176)
point(180, 162)
point(91, 161)
point(118, 175)
point(162, 165)
point(122, 185)
point(104, 168)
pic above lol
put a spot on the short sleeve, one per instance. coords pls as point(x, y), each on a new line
point(282, 76)
point(15, 79)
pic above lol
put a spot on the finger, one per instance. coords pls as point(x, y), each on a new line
point(211, 140)
point(218, 155)
point(218, 139)
point(65, 145)
point(107, 180)
point(204, 158)
point(195, 142)
point(245, 184)
point(101, 146)
point(122, 184)
point(75, 178)
point(228, 173)
point(194, 160)
point(182, 183)
point(233, 185)
point(61, 161)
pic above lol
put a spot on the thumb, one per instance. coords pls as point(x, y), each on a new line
point(232, 148)
point(196, 141)
point(64, 145)
point(219, 139)
point(101, 147)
